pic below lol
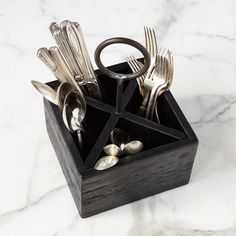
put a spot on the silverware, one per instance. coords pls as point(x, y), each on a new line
point(129, 148)
point(166, 72)
point(106, 162)
point(121, 145)
point(119, 137)
point(73, 47)
point(66, 51)
point(70, 41)
point(163, 70)
point(135, 66)
point(150, 79)
point(148, 82)
point(77, 43)
point(60, 61)
point(73, 113)
point(133, 147)
point(53, 59)
point(158, 78)
point(90, 70)
point(70, 101)
point(44, 55)
point(112, 150)
point(171, 73)
point(56, 97)
point(62, 91)
point(49, 93)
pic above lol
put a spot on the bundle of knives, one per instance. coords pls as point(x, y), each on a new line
point(69, 61)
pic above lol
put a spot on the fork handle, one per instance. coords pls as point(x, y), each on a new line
point(155, 92)
point(156, 113)
point(142, 108)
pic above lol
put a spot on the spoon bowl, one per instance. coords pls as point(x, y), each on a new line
point(119, 137)
point(62, 91)
point(74, 110)
point(133, 147)
point(112, 150)
point(106, 162)
point(73, 113)
point(49, 93)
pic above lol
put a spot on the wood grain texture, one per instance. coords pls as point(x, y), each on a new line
point(165, 163)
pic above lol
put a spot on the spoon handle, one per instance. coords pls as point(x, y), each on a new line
point(79, 138)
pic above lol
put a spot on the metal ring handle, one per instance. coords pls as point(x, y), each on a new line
point(121, 40)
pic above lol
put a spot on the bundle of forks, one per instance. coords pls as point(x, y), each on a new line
point(157, 79)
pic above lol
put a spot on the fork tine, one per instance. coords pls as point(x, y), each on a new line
point(139, 66)
point(152, 42)
point(135, 65)
point(132, 64)
point(146, 39)
point(169, 65)
point(158, 63)
point(134, 68)
point(162, 66)
point(167, 73)
point(165, 58)
point(155, 42)
point(129, 61)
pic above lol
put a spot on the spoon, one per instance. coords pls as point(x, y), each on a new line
point(106, 162)
point(133, 147)
point(49, 93)
point(73, 113)
point(119, 137)
point(62, 91)
point(112, 150)
point(56, 97)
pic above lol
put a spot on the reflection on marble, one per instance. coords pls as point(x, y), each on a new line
point(35, 199)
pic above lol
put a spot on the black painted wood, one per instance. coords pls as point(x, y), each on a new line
point(165, 162)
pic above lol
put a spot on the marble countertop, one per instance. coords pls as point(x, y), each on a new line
point(35, 199)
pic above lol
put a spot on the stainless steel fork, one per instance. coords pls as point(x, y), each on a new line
point(163, 72)
point(136, 66)
point(146, 84)
point(170, 61)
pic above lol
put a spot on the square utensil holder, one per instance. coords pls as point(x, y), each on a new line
point(164, 163)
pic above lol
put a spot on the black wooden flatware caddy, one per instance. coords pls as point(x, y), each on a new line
point(165, 162)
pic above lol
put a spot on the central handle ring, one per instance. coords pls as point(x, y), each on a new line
point(121, 40)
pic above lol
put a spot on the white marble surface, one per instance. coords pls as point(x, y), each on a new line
point(35, 199)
